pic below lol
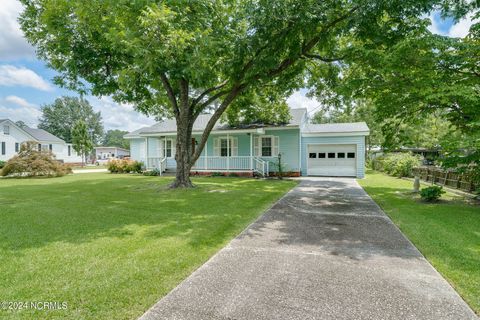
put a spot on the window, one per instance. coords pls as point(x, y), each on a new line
point(312, 155)
point(50, 147)
point(168, 149)
point(6, 129)
point(331, 155)
point(69, 151)
point(341, 155)
point(39, 147)
point(322, 155)
point(225, 149)
point(4, 148)
point(351, 155)
point(17, 146)
point(266, 146)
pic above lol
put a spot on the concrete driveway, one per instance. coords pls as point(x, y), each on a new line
point(324, 251)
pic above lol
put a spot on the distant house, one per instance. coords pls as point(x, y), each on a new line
point(111, 152)
point(12, 136)
point(305, 149)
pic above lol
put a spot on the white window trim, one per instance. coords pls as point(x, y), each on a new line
point(172, 149)
point(274, 146)
point(6, 130)
point(233, 145)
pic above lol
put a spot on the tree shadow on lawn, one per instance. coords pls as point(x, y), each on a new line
point(81, 211)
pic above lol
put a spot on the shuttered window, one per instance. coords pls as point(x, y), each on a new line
point(224, 147)
point(266, 146)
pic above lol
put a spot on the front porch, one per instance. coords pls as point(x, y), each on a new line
point(204, 164)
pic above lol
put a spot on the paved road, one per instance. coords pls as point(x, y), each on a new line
point(324, 251)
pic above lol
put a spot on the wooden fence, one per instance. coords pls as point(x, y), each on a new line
point(445, 178)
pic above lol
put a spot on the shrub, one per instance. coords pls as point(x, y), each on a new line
point(2, 164)
point(233, 174)
point(397, 164)
point(124, 166)
point(432, 193)
point(29, 162)
point(154, 172)
point(217, 174)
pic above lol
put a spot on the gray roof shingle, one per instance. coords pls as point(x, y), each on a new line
point(169, 125)
point(336, 127)
point(42, 135)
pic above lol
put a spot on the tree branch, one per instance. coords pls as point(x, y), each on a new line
point(207, 92)
point(170, 93)
point(321, 58)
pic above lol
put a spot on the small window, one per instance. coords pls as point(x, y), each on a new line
point(312, 155)
point(4, 148)
point(266, 146)
point(6, 129)
point(341, 155)
point(331, 155)
point(168, 149)
point(17, 146)
point(351, 155)
point(322, 155)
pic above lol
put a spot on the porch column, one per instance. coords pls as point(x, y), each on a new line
point(146, 153)
point(206, 155)
point(251, 151)
point(228, 152)
point(164, 147)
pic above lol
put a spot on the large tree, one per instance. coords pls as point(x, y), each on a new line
point(179, 58)
point(114, 138)
point(59, 117)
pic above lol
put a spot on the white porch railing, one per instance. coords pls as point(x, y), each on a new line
point(157, 163)
point(261, 166)
point(241, 163)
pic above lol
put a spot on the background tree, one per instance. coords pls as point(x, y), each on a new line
point(59, 118)
point(82, 139)
point(114, 138)
point(21, 124)
point(183, 58)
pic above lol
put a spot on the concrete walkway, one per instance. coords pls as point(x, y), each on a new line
point(324, 251)
point(89, 170)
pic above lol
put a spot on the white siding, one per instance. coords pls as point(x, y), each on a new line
point(137, 149)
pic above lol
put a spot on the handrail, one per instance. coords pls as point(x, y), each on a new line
point(263, 170)
point(163, 165)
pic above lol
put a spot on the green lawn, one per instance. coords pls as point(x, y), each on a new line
point(447, 233)
point(112, 245)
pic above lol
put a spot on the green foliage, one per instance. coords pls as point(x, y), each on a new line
point(153, 173)
point(81, 139)
point(29, 162)
point(432, 193)
point(124, 166)
point(397, 164)
point(2, 164)
point(60, 117)
point(183, 58)
point(217, 174)
point(114, 138)
point(21, 124)
point(233, 174)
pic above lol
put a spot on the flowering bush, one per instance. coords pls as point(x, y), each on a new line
point(29, 162)
point(125, 166)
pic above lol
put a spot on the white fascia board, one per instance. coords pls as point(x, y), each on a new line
point(336, 134)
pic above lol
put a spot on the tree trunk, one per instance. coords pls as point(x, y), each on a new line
point(183, 154)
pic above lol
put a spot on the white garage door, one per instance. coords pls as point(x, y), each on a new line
point(332, 160)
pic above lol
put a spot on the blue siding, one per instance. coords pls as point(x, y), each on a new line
point(357, 140)
point(288, 147)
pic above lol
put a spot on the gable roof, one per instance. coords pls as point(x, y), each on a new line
point(42, 135)
point(170, 126)
point(336, 127)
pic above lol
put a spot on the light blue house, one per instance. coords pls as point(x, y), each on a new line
point(305, 149)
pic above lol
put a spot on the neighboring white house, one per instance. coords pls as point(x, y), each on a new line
point(12, 136)
point(111, 152)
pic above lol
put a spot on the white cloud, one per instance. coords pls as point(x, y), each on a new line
point(119, 116)
point(462, 28)
point(21, 76)
point(12, 43)
point(16, 108)
point(300, 100)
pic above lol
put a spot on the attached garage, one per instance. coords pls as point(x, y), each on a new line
point(336, 150)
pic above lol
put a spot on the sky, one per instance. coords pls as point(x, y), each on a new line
point(26, 82)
